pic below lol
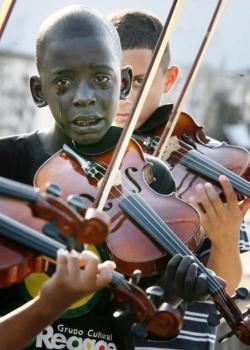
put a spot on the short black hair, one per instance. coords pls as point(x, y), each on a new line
point(72, 22)
point(139, 29)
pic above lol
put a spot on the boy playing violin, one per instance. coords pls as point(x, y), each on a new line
point(19, 326)
point(81, 79)
point(139, 32)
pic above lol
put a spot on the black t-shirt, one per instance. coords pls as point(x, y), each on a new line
point(20, 157)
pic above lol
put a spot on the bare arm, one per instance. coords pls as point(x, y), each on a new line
point(221, 222)
point(21, 325)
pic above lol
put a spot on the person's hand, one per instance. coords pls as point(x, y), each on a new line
point(76, 276)
point(182, 280)
point(221, 221)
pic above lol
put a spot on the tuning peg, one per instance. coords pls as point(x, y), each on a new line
point(54, 190)
point(241, 293)
point(123, 319)
point(155, 294)
point(139, 330)
point(135, 277)
point(226, 337)
point(247, 312)
point(76, 202)
point(121, 313)
point(214, 319)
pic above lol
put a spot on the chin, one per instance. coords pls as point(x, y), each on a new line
point(119, 124)
point(89, 139)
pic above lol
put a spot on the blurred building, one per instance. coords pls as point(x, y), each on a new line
point(219, 100)
point(17, 110)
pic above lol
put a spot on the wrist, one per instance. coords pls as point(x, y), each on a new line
point(49, 309)
point(230, 248)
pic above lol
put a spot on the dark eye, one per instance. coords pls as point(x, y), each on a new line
point(137, 82)
point(62, 82)
point(103, 80)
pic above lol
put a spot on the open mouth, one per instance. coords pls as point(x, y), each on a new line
point(88, 124)
point(84, 122)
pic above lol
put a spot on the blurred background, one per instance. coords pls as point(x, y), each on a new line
point(219, 99)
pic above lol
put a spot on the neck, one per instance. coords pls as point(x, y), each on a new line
point(53, 138)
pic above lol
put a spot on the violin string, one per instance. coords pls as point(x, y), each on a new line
point(213, 281)
point(207, 165)
point(175, 243)
point(210, 165)
point(119, 280)
point(234, 178)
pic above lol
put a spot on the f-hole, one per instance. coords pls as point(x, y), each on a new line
point(91, 199)
point(129, 173)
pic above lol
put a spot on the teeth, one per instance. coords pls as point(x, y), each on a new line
point(84, 123)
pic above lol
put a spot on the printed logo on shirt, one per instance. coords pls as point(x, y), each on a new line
point(74, 339)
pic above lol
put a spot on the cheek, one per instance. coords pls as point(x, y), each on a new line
point(150, 105)
point(110, 103)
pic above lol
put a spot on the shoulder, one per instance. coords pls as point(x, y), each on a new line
point(16, 142)
point(19, 154)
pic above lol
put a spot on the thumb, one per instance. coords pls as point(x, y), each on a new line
point(244, 206)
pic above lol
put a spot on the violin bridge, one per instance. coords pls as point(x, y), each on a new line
point(172, 146)
point(117, 181)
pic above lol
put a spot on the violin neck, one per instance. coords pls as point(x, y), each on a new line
point(201, 164)
point(14, 189)
point(29, 238)
point(139, 210)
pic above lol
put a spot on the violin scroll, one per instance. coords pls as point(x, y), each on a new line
point(162, 322)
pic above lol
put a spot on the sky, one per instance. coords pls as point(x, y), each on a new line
point(229, 48)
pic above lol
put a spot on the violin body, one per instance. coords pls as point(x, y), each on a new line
point(17, 262)
point(127, 243)
point(191, 136)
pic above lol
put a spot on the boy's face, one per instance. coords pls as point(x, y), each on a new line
point(139, 60)
point(80, 81)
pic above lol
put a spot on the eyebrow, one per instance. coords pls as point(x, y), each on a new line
point(92, 66)
point(61, 71)
point(139, 75)
point(102, 66)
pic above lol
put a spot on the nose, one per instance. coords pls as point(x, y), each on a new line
point(84, 95)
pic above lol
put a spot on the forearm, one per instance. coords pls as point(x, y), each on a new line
point(226, 264)
point(21, 325)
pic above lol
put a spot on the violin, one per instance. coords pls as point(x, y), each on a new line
point(18, 239)
point(50, 214)
point(129, 246)
point(194, 158)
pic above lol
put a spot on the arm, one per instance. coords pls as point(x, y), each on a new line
point(221, 222)
point(71, 281)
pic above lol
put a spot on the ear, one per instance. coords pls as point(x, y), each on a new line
point(126, 76)
point(36, 91)
point(171, 78)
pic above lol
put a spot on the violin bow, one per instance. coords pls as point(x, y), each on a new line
point(174, 116)
point(120, 150)
point(5, 12)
